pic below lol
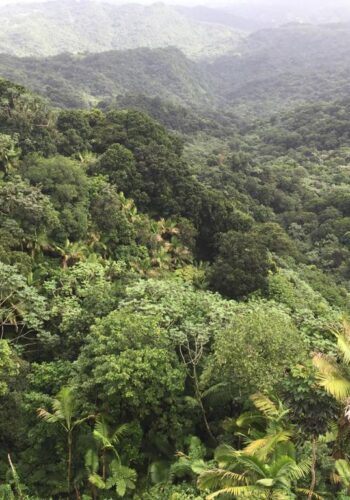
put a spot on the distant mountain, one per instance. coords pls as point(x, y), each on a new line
point(273, 13)
point(296, 62)
point(45, 29)
point(82, 80)
point(270, 70)
point(218, 16)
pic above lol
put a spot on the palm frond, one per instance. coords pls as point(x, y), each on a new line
point(82, 420)
point(331, 378)
point(246, 419)
point(324, 364)
point(97, 481)
point(225, 454)
point(252, 463)
point(91, 461)
point(309, 493)
point(331, 435)
point(264, 405)
point(120, 432)
point(65, 404)
point(217, 478)
point(337, 386)
point(343, 469)
point(264, 446)
point(236, 491)
point(101, 433)
point(344, 347)
point(285, 466)
point(47, 416)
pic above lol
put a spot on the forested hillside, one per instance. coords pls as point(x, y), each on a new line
point(293, 63)
point(89, 26)
point(175, 266)
point(269, 69)
point(82, 81)
point(115, 236)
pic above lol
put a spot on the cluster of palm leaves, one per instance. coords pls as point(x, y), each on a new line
point(266, 467)
point(103, 464)
point(104, 458)
point(334, 377)
point(334, 373)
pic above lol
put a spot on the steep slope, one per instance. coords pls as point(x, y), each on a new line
point(275, 69)
point(78, 26)
point(75, 81)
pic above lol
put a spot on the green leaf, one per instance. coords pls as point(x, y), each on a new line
point(268, 482)
point(121, 487)
point(97, 481)
point(91, 461)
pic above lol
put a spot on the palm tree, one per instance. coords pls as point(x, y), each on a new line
point(334, 374)
point(266, 467)
point(242, 475)
point(13, 489)
point(37, 245)
point(119, 476)
point(64, 413)
point(262, 430)
point(72, 252)
point(107, 440)
point(342, 475)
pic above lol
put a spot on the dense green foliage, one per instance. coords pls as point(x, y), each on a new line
point(269, 70)
point(172, 299)
point(83, 26)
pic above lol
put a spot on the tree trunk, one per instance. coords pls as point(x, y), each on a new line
point(313, 469)
point(200, 402)
point(104, 464)
point(69, 461)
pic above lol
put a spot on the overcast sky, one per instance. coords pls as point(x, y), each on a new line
point(172, 2)
point(213, 3)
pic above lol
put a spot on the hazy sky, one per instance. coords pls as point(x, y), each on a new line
point(213, 3)
point(172, 2)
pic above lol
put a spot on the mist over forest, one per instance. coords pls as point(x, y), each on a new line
point(175, 250)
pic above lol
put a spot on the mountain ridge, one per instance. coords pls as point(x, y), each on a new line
point(47, 29)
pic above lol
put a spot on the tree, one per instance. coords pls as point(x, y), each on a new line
point(28, 116)
point(71, 253)
point(107, 440)
point(266, 467)
point(75, 131)
point(241, 266)
point(118, 163)
point(66, 183)
point(26, 210)
point(265, 337)
point(264, 430)
point(9, 367)
point(113, 472)
point(77, 297)
point(64, 413)
point(343, 475)
point(245, 476)
point(334, 377)
point(22, 309)
point(129, 370)
point(8, 151)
